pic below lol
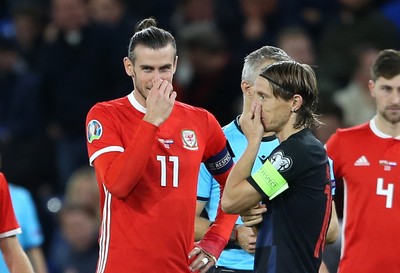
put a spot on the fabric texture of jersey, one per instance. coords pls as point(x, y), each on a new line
point(152, 229)
point(27, 217)
point(292, 234)
point(8, 224)
point(368, 162)
point(208, 190)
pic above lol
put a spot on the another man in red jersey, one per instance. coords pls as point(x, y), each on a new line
point(14, 256)
point(146, 149)
point(367, 159)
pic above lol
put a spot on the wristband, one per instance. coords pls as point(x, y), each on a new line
point(212, 244)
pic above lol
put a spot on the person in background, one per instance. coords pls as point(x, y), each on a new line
point(13, 254)
point(115, 16)
point(82, 189)
point(355, 22)
point(74, 241)
point(21, 121)
point(298, 44)
point(354, 99)
point(79, 228)
point(31, 239)
point(29, 20)
point(294, 181)
point(146, 149)
point(367, 159)
point(80, 48)
point(331, 117)
point(213, 72)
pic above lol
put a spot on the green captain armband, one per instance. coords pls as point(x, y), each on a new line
point(271, 182)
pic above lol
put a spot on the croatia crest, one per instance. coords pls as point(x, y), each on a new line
point(189, 140)
point(94, 130)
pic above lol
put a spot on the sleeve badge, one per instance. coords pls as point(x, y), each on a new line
point(94, 130)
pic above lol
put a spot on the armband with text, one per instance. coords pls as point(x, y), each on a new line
point(270, 181)
point(219, 163)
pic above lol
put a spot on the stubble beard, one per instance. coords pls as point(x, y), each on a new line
point(139, 89)
point(392, 119)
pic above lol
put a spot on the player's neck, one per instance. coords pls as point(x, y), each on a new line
point(139, 97)
point(387, 127)
point(287, 131)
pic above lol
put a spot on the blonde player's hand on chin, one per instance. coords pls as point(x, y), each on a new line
point(159, 102)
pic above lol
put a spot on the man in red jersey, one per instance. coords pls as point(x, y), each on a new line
point(367, 159)
point(146, 149)
point(14, 256)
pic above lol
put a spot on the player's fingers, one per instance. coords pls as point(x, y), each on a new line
point(199, 262)
point(173, 96)
point(156, 84)
point(253, 106)
point(195, 251)
point(257, 111)
point(251, 223)
point(206, 267)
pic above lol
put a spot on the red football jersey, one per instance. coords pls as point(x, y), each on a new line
point(8, 223)
point(151, 227)
point(368, 161)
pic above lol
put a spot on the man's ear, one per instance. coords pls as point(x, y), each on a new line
point(371, 86)
point(175, 64)
point(128, 66)
point(297, 102)
point(246, 89)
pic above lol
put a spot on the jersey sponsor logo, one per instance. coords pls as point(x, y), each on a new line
point(281, 162)
point(94, 130)
point(189, 139)
point(387, 165)
point(362, 161)
point(166, 142)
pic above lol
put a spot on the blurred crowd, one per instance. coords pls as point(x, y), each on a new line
point(60, 57)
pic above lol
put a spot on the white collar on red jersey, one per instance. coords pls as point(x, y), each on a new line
point(377, 132)
point(135, 103)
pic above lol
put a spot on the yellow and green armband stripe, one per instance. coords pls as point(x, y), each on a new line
point(270, 181)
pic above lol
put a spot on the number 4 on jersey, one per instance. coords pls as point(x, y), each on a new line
point(388, 192)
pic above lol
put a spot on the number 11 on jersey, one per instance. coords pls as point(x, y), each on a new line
point(175, 168)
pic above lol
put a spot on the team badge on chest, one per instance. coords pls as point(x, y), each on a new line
point(189, 140)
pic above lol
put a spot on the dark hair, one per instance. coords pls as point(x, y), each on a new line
point(288, 78)
point(386, 65)
point(149, 35)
